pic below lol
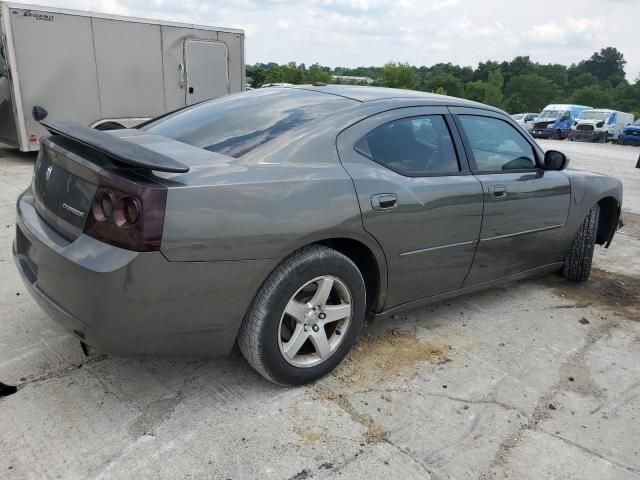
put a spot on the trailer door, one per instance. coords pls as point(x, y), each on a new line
point(8, 129)
point(207, 69)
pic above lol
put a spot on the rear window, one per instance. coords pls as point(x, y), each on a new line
point(236, 124)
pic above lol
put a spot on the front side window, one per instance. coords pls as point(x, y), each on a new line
point(414, 146)
point(496, 145)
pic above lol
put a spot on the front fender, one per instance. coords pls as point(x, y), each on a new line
point(587, 190)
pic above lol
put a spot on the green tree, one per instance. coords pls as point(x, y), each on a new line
point(489, 92)
point(583, 80)
point(289, 73)
point(443, 81)
point(531, 93)
point(475, 90)
point(594, 96)
point(606, 65)
point(258, 75)
point(317, 73)
point(399, 75)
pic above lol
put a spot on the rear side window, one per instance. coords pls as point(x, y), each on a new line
point(416, 146)
point(236, 124)
point(496, 145)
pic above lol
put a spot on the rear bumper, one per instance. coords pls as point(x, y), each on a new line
point(123, 302)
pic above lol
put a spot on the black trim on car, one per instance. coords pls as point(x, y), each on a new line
point(116, 148)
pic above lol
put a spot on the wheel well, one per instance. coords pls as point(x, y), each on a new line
point(608, 222)
point(366, 262)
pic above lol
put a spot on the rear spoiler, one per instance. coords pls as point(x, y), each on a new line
point(116, 148)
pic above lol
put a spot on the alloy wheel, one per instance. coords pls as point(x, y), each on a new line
point(315, 321)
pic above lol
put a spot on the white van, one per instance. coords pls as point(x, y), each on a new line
point(599, 125)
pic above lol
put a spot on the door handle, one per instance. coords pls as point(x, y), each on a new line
point(498, 192)
point(384, 201)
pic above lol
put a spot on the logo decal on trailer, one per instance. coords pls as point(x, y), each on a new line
point(38, 15)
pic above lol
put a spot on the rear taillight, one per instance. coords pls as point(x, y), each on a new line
point(128, 212)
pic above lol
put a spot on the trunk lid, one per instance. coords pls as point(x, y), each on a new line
point(63, 187)
point(76, 163)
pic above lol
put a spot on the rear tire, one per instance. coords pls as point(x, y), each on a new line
point(268, 332)
point(577, 264)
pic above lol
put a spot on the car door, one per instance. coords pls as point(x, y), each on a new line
point(417, 197)
point(525, 206)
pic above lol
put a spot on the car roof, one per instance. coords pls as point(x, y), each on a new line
point(370, 94)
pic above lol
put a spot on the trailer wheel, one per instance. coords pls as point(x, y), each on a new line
point(109, 126)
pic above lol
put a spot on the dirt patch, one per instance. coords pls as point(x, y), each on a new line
point(310, 435)
point(378, 358)
point(375, 433)
point(619, 292)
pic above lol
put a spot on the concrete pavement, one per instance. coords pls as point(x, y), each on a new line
point(538, 379)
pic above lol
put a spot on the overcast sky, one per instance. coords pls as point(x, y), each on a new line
point(421, 32)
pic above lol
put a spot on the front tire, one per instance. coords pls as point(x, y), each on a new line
point(305, 318)
point(577, 264)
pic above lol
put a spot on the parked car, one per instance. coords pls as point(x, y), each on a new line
point(555, 121)
point(282, 217)
point(599, 125)
point(630, 134)
point(527, 120)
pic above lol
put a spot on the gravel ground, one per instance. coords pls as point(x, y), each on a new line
point(538, 379)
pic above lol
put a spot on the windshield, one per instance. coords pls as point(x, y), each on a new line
point(518, 116)
point(236, 124)
point(593, 115)
point(550, 114)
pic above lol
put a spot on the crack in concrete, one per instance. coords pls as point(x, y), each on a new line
point(63, 372)
point(541, 411)
point(153, 416)
point(484, 401)
point(366, 421)
point(589, 451)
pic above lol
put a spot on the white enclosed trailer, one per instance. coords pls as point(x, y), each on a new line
point(106, 71)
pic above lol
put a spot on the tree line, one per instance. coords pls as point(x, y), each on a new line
point(519, 85)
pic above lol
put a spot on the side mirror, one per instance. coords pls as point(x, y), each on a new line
point(554, 160)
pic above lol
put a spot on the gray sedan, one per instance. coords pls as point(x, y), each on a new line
point(282, 218)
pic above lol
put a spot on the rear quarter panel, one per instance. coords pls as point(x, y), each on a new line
point(264, 206)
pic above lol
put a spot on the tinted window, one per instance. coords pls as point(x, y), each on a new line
point(411, 146)
point(236, 124)
point(497, 145)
